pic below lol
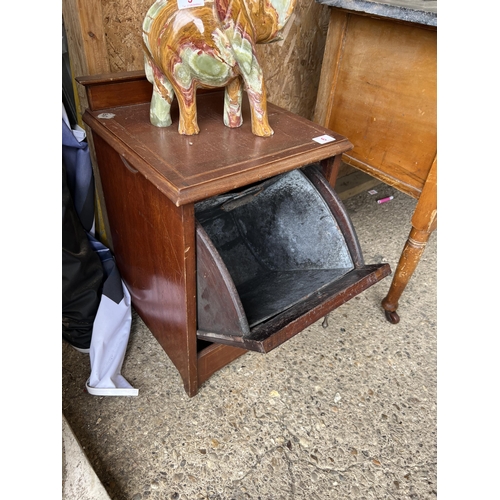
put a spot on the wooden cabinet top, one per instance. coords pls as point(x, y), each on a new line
point(188, 169)
point(414, 11)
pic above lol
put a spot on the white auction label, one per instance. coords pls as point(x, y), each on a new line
point(187, 4)
point(323, 139)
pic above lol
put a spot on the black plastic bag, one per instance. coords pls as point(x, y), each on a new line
point(82, 276)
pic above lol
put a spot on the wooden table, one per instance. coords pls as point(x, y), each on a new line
point(153, 177)
point(378, 87)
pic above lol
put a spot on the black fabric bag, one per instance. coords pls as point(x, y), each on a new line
point(82, 276)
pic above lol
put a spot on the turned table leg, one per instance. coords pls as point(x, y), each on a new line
point(424, 221)
point(413, 250)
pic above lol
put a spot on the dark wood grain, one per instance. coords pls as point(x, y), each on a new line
point(219, 305)
point(215, 357)
point(191, 168)
point(154, 248)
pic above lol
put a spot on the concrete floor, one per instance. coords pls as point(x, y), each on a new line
point(343, 412)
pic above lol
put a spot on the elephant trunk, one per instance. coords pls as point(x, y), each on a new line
point(269, 17)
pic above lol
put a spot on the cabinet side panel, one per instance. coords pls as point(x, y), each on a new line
point(154, 248)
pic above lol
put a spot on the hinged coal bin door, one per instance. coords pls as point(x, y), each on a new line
point(274, 258)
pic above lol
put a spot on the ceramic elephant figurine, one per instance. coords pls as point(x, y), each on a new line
point(190, 44)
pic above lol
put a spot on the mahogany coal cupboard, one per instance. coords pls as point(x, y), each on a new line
point(227, 241)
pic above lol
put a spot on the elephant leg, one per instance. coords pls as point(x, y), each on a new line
point(159, 111)
point(149, 70)
point(163, 94)
point(258, 106)
point(188, 120)
point(233, 97)
point(256, 90)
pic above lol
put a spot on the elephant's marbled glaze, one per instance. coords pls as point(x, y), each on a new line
point(210, 45)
